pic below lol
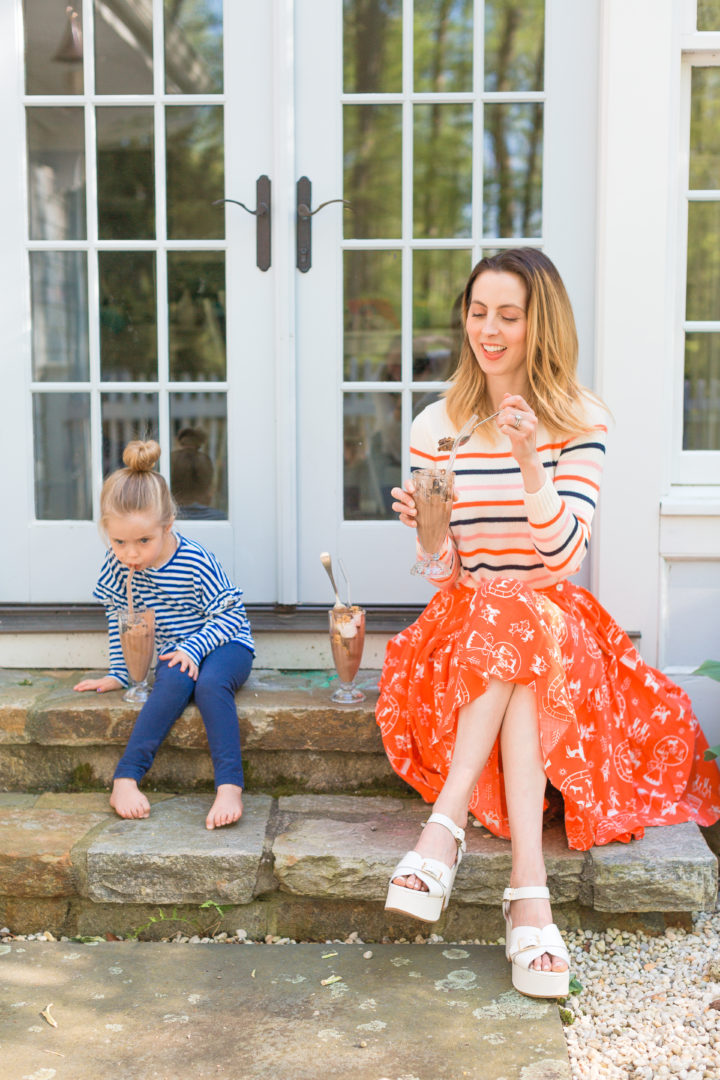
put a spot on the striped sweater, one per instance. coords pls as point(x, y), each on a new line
point(196, 605)
point(498, 528)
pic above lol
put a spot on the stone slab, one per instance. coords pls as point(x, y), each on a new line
point(171, 858)
point(36, 847)
point(670, 869)
point(328, 850)
point(141, 1010)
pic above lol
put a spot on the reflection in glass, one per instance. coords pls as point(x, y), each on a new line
point(196, 298)
point(421, 401)
point(372, 315)
point(59, 316)
point(61, 437)
point(372, 46)
point(512, 191)
point(53, 47)
point(56, 173)
point(514, 44)
point(438, 281)
point(705, 129)
point(198, 461)
point(126, 417)
point(443, 46)
point(125, 165)
point(372, 454)
point(442, 175)
point(123, 47)
point(703, 261)
point(195, 172)
point(193, 47)
point(701, 426)
point(372, 140)
point(708, 14)
point(128, 321)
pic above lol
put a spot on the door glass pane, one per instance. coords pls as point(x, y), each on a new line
point(443, 45)
point(128, 323)
point(372, 46)
point(123, 47)
point(53, 47)
point(438, 281)
point(372, 315)
point(198, 462)
point(126, 417)
point(703, 261)
point(701, 429)
point(514, 44)
point(705, 129)
point(56, 173)
point(196, 295)
point(372, 454)
point(61, 434)
point(125, 167)
point(59, 316)
point(195, 172)
point(512, 191)
point(708, 14)
point(193, 47)
point(442, 175)
point(373, 170)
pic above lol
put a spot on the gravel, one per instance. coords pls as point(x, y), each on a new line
point(649, 1007)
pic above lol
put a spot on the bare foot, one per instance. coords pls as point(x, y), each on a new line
point(127, 800)
point(536, 913)
point(227, 807)
point(435, 843)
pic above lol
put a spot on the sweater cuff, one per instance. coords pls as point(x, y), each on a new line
point(543, 505)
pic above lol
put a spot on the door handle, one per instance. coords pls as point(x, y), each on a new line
point(263, 214)
point(304, 222)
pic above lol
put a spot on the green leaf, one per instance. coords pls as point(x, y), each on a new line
point(711, 668)
point(712, 752)
point(576, 987)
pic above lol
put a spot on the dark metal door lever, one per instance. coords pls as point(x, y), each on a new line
point(304, 224)
point(263, 214)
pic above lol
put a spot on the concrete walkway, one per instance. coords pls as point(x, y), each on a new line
point(147, 1011)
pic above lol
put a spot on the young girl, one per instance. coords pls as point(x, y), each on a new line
point(203, 636)
point(513, 676)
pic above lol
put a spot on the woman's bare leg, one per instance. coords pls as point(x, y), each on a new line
point(478, 726)
point(524, 793)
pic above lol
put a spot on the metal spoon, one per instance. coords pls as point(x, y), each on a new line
point(327, 563)
point(462, 438)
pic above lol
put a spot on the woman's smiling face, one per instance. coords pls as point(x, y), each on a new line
point(497, 324)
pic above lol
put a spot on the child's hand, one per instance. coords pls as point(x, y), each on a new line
point(186, 662)
point(108, 682)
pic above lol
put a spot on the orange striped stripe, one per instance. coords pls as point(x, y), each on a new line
point(497, 551)
point(547, 524)
point(570, 557)
point(470, 505)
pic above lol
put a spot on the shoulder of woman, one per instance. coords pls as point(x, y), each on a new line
point(434, 420)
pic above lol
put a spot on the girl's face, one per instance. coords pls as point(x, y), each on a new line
point(139, 540)
point(497, 325)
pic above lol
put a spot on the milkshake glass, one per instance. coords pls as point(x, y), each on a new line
point(137, 638)
point(347, 637)
point(433, 500)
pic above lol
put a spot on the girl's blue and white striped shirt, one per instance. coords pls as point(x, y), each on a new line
point(197, 607)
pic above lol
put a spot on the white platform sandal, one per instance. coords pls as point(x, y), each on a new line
point(524, 944)
point(438, 877)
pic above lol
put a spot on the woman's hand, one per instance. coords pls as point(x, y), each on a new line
point(186, 662)
point(519, 423)
point(108, 682)
point(404, 504)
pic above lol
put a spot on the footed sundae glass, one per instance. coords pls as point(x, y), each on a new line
point(347, 637)
point(137, 638)
point(433, 500)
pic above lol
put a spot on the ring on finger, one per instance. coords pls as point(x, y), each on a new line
point(518, 420)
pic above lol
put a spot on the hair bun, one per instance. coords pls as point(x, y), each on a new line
point(191, 438)
point(141, 457)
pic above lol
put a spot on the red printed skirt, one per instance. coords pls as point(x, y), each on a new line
point(619, 739)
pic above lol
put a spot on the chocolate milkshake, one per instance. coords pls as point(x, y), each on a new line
point(137, 637)
point(347, 637)
point(433, 500)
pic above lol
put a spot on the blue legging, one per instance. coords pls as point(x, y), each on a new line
point(222, 673)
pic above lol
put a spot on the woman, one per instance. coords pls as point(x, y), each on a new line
point(513, 676)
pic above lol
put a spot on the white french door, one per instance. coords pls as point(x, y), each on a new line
point(133, 302)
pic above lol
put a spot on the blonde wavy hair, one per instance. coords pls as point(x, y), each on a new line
point(554, 394)
point(138, 488)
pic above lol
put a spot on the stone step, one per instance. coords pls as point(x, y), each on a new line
point(292, 734)
point(308, 867)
